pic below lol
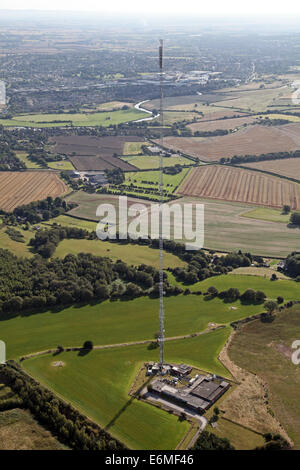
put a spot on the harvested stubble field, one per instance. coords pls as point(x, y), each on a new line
point(238, 185)
point(253, 140)
point(18, 188)
point(289, 167)
point(224, 124)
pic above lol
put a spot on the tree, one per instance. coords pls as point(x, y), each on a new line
point(213, 291)
point(209, 441)
point(270, 306)
point(260, 296)
point(286, 209)
point(295, 218)
point(248, 296)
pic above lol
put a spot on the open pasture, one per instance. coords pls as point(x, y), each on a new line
point(227, 229)
point(98, 385)
point(88, 203)
point(252, 140)
point(238, 185)
point(256, 100)
point(129, 253)
point(18, 188)
point(78, 119)
point(109, 322)
point(265, 349)
point(223, 124)
point(149, 162)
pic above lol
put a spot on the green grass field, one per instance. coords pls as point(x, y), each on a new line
point(18, 248)
point(130, 254)
point(23, 156)
point(131, 148)
point(287, 288)
point(61, 165)
point(184, 315)
point(150, 179)
point(265, 349)
point(71, 222)
point(241, 438)
point(145, 162)
point(98, 385)
point(271, 215)
point(79, 119)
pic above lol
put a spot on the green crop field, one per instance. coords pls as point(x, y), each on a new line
point(145, 162)
point(130, 254)
point(78, 119)
point(271, 215)
point(98, 385)
point(265, 349)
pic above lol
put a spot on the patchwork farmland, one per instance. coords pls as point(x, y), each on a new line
point(90, 145)
point(18, 188)
point(253, 140)
point(94, 153)
point(238, 185)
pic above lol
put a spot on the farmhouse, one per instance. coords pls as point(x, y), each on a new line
point(98, 178)
point(199, 395)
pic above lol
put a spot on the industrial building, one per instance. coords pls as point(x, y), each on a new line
point(199, 395)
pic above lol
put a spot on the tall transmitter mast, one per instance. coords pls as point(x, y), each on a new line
point(161, 243)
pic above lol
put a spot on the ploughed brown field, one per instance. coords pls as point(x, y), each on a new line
point(289, 167)
point(238, 185)
point(94, 153)
point(224, 124)
point(90, 145)
point(18, 188)
point(97, 162)
point(253, 140)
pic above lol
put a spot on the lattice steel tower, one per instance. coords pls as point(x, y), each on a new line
point(161, 242)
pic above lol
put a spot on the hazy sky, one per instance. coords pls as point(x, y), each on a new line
point(266, 8)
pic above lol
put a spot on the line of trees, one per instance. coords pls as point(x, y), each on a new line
point(34, 284)
point(260, 158)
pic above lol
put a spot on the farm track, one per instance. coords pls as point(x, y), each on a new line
point(121, 345)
